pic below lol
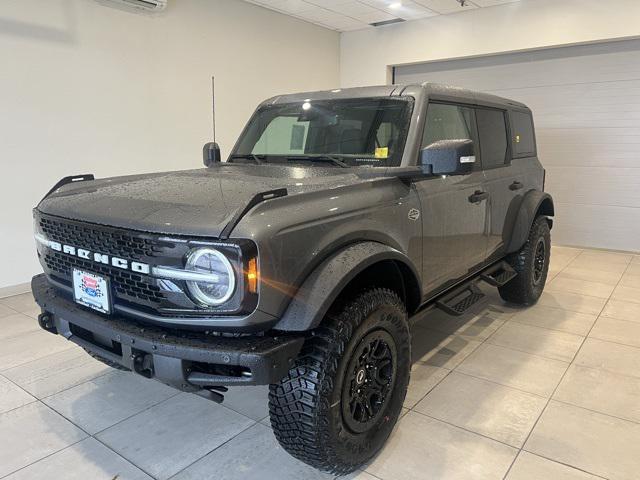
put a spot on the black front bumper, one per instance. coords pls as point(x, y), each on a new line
point(186, 360)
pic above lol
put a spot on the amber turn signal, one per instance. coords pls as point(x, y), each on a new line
point(252, 276)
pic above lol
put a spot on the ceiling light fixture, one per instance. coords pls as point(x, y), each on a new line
point(395, 5)
point(387, 22)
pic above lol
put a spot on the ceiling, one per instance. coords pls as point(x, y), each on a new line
point(347, 15)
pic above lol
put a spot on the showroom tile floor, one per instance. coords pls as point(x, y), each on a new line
point(552, 391)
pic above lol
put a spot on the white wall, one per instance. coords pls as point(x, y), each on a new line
point(90, 89)
point(523, 25)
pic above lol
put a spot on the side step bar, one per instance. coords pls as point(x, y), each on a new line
point(499, 275)
point(460, 300)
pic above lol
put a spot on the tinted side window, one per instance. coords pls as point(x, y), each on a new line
point(492, 131)
point(524, 142)
point(447, 122)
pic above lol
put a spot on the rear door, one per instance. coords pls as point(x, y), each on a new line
point(503, 180)
point(454, 226)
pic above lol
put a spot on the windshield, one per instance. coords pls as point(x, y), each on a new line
point(352, 132)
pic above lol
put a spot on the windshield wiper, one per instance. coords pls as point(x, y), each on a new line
point(249, 156)
point(319, 158)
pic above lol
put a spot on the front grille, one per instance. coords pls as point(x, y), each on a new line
point(127, 285)
point(136, 291)
point(116, 242)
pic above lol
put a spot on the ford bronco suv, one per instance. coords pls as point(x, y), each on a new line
point(297, 262)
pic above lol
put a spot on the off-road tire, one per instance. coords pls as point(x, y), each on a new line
point(306, 407)
point(115, 365)
point(526, 287)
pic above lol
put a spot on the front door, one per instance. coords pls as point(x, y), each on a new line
point(454, 219)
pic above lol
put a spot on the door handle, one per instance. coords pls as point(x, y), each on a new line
point(516, 186)
point(478, 196)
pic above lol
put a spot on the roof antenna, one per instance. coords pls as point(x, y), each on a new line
point(211, 150)
point(213, 105)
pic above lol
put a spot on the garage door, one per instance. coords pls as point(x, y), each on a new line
point(586, 106)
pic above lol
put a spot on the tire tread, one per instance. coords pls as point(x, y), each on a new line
point(520, 290)
point(299, 404)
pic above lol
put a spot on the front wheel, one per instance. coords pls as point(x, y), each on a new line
point(338, 404)
point(531, 263)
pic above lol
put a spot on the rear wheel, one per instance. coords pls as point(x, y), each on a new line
point(338, 404)
point(531, 263)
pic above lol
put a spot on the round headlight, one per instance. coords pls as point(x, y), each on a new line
point(220, 289)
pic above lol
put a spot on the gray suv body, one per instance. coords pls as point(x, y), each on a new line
point(297, 262)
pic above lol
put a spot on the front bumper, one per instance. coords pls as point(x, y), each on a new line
point(188, 361)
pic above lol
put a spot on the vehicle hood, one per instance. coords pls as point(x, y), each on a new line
point(190, 202)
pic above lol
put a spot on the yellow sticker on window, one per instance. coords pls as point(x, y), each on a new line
point(382, 152)
point(517, 138)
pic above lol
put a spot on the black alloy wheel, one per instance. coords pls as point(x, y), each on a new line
point(371, 375)
point(539, 261)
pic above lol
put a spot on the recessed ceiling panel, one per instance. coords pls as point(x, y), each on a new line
point(347, 15)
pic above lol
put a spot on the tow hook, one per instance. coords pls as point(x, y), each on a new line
point(45, 320)
point(143, 364)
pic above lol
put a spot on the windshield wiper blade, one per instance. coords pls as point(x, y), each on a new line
point(249, 156)
point(319, 158)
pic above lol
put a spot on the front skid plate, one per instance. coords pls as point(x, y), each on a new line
point(267, 357)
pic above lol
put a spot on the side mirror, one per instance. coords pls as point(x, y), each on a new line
point(210, 153)
point(448, 157)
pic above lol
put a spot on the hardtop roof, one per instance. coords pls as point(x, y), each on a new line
point(433, 90)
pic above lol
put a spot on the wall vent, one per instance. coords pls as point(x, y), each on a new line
point(142, 6)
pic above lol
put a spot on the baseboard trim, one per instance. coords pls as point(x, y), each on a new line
point(15, 289)
point(599, 249)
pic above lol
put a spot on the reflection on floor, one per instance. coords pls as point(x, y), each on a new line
point(552, 391)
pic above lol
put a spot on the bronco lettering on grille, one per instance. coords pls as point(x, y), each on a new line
point(95, 256)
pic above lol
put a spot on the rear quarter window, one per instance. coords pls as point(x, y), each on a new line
point(492, 130)
point(524, 141)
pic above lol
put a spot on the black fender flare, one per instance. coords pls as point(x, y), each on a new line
point(533, 204)
point(321, 288)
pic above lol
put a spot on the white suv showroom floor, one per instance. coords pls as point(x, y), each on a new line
point(552, 391)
